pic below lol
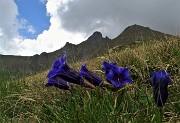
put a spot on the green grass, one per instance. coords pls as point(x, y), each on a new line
point(25, 99)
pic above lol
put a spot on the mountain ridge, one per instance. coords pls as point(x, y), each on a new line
point(95, 45)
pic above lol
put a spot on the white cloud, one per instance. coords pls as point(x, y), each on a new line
point(8, 25)
point(112, 16)
point(24, 24)
point(31, 29)
point(1, 32)
point(81, 18)
point(50, 40)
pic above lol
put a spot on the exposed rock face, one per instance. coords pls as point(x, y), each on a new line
point(68, 44)
point(96, 36)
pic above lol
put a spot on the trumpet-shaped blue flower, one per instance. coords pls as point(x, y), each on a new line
point(107, 66)
point(61, 75)
point(59, 83)
point(57, 64)
point(118, 76)
point(68, 74)
point(90, 76)
point(160, 81)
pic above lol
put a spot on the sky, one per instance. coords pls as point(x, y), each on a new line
point(29, 27)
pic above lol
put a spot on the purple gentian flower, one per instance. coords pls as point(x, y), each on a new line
point(57, 64)
point(160, 81)
point(118, 76)
point(68, 74)
point(107, 66)
point(90, 76)
point(59, 83)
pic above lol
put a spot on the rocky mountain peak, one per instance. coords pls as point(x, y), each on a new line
point(136, 29)
point(96, 36)
point(68, 44)
point(140, 33)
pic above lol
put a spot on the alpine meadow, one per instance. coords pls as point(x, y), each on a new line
point(133, 78)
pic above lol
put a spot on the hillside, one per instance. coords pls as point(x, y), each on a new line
point(26, 99)
point(95, 45)
point(140, 33)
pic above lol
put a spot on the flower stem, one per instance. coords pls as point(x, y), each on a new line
point(161, 114)
point(107, 85)
point(88, 84)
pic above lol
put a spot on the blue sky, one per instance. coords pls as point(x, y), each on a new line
point(33, 14)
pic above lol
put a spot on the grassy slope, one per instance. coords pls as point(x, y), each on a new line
point(27, 100)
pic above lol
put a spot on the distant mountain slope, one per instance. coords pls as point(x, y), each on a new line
point(133, 35)
point(85, 49)
point(94, 46)
point(140, 33)
point(11, 63)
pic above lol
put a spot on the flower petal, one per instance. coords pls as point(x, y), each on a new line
point(68, 74)
point(57, 64)
point(112, 78)
point(58, 82)
point(51, 73)
point(107, 66)
point(90, 76)
point(118, 76)
point(160, 96)
point(161, 81)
